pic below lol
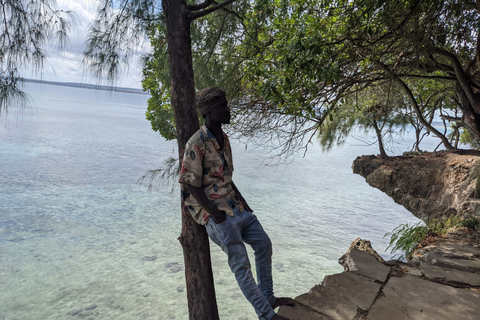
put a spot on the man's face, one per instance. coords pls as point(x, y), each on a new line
point(221, 113)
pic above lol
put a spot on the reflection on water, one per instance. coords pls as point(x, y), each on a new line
point(78, 237)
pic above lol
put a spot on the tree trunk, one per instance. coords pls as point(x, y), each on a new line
point(477, 186)
point(417, 140)
point(202, 303)
point(378, 132)
point(417, 110)
point(470, 118)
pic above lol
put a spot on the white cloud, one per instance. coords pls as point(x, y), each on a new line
point(65, 65)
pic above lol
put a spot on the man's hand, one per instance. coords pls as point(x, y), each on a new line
point(219, 216)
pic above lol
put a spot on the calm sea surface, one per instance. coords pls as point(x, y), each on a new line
point(80, 239)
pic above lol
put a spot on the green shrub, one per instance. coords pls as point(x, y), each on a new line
point(406, 238)
point(442, 226)
point(470, 223)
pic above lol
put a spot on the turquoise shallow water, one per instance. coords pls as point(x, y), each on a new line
point(80, 239)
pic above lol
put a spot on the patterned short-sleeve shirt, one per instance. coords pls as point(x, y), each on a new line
point(207, 166)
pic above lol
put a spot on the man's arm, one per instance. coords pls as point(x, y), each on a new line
point(202, 199)
point(239, 197)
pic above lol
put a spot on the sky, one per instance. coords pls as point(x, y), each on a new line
point(65, 65)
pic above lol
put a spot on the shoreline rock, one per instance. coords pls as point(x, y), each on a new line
point(441, 282)
point(431, 185)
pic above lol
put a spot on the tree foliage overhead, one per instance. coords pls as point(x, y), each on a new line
point(290, 67)
point(315, 56)
point(118, 30)
point(27, 27)
point(295, 68)
point(218, 60)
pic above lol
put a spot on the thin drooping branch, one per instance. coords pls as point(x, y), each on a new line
point(199, 14)
point(477, 50)
point(27, 28)
point(236, 15)
point(264, 125)
point(415, 105)
point(212, 49)
point(200, 6)
point(420, 117)
point(116, 36)
point(457, 120)
point(6, 25)
point(460, 74)
point(163, 177)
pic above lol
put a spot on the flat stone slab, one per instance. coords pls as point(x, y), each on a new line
point(452, 256)
point(410, 298)
point(358, 289)
point(339, 297)
point(299, 312)
point(446, 275)
point(413, 271)
point(365, 264)
point(326, 301)
point(458, 251)
point(441, 283)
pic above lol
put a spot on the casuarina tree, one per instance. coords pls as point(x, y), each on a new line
point(116, 31)
point(27, 27)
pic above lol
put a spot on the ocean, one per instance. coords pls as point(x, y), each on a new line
point(80, 238)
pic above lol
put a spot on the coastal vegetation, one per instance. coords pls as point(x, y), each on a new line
point(293, 69)
point(406, 238)
point(297, 69)
point(27, 27)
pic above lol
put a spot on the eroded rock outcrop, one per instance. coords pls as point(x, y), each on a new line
point(443, 282)
point(429, 185)
point(362, 245)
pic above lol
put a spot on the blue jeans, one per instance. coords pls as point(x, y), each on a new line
point(230, 235)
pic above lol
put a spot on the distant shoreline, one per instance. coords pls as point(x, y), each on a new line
point(89, 86)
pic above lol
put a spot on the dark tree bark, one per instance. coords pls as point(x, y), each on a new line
point(470, 117)
point(378, 132)
point(202, 303)
point(417, 110)
point(477, 186)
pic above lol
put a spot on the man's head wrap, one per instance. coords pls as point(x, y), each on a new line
point(209, 99)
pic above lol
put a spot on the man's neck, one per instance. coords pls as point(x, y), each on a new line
point(215, 128)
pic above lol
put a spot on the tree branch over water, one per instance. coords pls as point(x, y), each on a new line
point(27, 28)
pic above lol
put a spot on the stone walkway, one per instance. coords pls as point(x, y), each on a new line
point(441, 282)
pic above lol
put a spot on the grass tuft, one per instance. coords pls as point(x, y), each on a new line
point(406, 237)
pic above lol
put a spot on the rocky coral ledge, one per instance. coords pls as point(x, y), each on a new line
point(441, 282)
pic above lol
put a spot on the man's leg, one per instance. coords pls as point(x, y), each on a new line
point(228, 236)
point(254, 235)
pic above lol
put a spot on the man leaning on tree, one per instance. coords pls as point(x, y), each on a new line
point(215, 202)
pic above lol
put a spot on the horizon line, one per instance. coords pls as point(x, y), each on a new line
point(89, 86)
